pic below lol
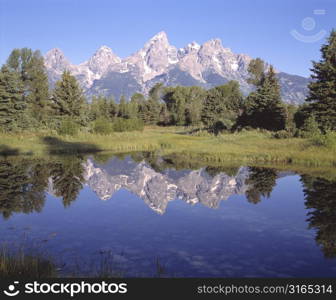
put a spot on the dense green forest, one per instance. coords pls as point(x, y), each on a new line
point(27, 103)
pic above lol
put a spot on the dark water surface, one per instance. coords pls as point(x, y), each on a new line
point(145, 211)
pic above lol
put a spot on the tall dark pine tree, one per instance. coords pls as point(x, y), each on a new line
point(102, 107)
point(164, 117)
point(140, 100)
point(123, 108)
point(153, 111)
point(38, 87)
point(322, 90)
point(143, 113)
point(112, 108)
point(153, 104)
point(68, 99)
point(29, 65)
point(263, 108)
point(12, 105)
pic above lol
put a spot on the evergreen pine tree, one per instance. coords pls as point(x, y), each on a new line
point(143, 113)
point(153, 111)
point(94, 109)
point(140, 100)
point(133, 108)
point(29, 65)
point(112, 108)
point(322, 90)
point(102, 107)
point(68, 99)
point(12, 106)
point(164, 117)
point(263, 108)
point(153, 104)
point(123, 109)
point(301, 114)
point(213, 108)
point(37, 87)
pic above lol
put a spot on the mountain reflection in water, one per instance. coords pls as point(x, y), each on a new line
point(26, 183)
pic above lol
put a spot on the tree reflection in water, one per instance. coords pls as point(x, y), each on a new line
point(261, 182)
point(320, 199)
point(23, 182)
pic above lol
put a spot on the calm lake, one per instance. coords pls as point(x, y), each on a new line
point(148, 214)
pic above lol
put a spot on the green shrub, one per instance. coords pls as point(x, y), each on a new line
point(327, 140)
point(68, 127)
point(102, 126)
point(121, 125)
point(221, 125)
point(309, 128)
point(218, 127)
point(283, 134)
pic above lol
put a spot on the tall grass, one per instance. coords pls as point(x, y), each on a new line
point(327, 140)
point(248, 146)
point(20, 264)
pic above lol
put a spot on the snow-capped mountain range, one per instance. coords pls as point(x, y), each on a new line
point(204, 65)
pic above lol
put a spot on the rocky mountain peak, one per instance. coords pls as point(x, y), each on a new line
point(104, 48)
point(55, 59)
point(102, 60)
point(215, 46)
point(158, 41)
point(216, 42)
point(154, 58)
point(160, 36)
point(206, 65)
point(191, 47)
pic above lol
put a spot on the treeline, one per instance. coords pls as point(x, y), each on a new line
point(27, 103)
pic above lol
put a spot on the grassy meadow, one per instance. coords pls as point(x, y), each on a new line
point(243, 147)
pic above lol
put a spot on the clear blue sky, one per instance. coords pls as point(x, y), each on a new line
point(260, 28)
